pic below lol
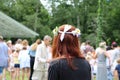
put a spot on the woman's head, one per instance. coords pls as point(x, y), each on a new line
point(25, 42)
point(66, 41)
point(102, 45)
point(38, 41)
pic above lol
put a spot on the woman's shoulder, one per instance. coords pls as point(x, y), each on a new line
point(81, 61)
point(64, 61)
point(57, 61)
point(54, 64)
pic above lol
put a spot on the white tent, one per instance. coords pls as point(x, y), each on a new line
point(10, 28)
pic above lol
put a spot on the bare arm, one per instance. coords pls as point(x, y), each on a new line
point(94, 55)
point(116, 75)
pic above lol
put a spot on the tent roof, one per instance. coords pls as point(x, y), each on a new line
point(12, 29)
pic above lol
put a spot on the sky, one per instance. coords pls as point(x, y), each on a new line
point(46, 5)
point(44, 2)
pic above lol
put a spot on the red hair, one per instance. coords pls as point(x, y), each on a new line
point(69, 47)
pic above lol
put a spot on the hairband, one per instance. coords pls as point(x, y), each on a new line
point(75, 32)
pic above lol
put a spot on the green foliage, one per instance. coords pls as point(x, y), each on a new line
point(91, 16)
point(29, 12)
point(112, 29)
point(44, 30)
point(86, 15)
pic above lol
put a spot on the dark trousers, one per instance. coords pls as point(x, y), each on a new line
point(32, 59)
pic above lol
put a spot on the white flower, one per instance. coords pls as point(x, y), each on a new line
point(55, 31)
point(76, 32)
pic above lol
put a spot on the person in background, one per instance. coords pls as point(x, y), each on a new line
point(49, 48)
point(68, 62)
point(24, 60)
point(42, 59)
point(32, 52)
point(11, 62)
point(25, 43)
point(83, 48)
point(18, 44)
point(16, 64)
point(4, 57)
point(114, 55)
point(9, 44)
point(101, 55)
point(10, 47)
point(88, 48)
point(117, 70)
point(11, 68)
point(92, 63)
point(109, 72)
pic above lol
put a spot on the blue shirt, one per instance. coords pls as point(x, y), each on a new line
point(3, 54)
point(118, 70)
point(32, 53)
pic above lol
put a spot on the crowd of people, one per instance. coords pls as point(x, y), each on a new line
point(18, 59)
point(65, 59)
point(104, 60)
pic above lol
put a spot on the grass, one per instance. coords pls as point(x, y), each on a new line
point(8, 76)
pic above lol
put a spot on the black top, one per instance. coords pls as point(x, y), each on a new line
point(60, 70)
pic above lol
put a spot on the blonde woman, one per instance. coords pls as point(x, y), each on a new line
point(32, 52)
point(101, 55)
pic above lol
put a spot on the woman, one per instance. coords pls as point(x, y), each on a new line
point(32, 52)
point(101, 55)
point(68, 62)
point(24, 59)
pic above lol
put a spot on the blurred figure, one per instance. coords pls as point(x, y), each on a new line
point(83, 48)
point(16, 64)
point(32, 52)
point(24, 60)
point(11, 68)
point(109, 72)
point(10, 47)
point(25, 44)
point(9, 44)
point(101, 55)
point(11, 62)
point(42, 60)
point(18, 44)
point(88, 48)
point(115, 55)
point(3, 56)
point(117, 70)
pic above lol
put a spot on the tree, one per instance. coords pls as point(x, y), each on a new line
point(28, 12)
point(112, 18)
point(81, 14)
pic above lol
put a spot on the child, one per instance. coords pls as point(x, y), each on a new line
point(11, 67)
point(16, 65)
point(24, 59)
point(117, 70)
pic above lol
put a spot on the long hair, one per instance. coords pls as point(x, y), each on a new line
point(69, 47)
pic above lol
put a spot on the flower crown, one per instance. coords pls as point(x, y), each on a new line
point(75, 32)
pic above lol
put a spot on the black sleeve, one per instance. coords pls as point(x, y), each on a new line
point(53, 71)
